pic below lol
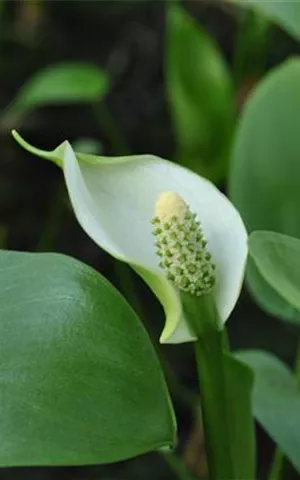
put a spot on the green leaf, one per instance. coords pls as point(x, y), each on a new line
point(267, 297)
point(277, 258)
point(200, 94)
point(61, 84)
point(80, 380)
point(89, 146)
point(264, 178)
point(239, 382)
point(285, 13)
point(276, 401)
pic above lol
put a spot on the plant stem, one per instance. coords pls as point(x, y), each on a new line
point(212, 387)
point(277, 465)
point(211, 373)
point(276, 470)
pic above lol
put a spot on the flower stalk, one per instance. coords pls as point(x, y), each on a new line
point(202, 316)
point(182, 247)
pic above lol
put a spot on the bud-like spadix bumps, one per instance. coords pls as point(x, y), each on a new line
point(181, 245)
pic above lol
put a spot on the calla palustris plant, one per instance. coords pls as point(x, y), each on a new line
point(121, 202)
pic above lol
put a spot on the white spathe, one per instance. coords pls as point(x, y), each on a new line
point(114, 202)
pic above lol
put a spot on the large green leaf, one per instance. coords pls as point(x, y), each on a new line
point(285, 13)
point(277, 258)
point(276, 401)
point(264, 179)
point(62, 83)
point(80, 382)
point(200, 93)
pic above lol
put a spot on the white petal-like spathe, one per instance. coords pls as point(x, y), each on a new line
point(114, 201)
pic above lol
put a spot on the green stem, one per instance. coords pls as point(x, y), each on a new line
point(212, 387)
point(277, 466)
point(209, 357)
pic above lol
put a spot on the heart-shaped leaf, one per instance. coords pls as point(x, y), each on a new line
point(80, 381)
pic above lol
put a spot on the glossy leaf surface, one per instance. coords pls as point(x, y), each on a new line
point(80, 380)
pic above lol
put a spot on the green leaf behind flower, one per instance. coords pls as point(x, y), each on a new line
point(265, 173)
point(285, 13)
point(63, 83)
point(200, 94)
point(277, 258)
point(276, 401)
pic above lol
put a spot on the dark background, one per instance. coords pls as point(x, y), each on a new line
point(126, 38)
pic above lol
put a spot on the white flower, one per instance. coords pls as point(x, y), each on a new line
point(114, 201)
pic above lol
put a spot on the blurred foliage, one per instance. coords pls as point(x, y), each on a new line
point(151, 96)
point(286, 14)
point(266, 169)
point(276, 401)
point(252, 45)
point(59, 84)
point(90, 9)
point(201, 98)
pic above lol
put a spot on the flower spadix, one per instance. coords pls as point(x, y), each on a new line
point(182, 246)
point(197, 242)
